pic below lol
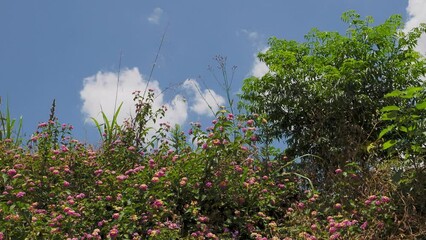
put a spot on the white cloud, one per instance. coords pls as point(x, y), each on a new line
point(259, 68)
point(155, 16)
point(99, 90)
point(251, 35)
point(206, 102)
point(416, 10)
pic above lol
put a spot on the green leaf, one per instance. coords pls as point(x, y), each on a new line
point(389, 116)
point(395, 93)
point(386, 130)
point(389, 144)
point(421, 106)
point(390, 108)
point(411, 92)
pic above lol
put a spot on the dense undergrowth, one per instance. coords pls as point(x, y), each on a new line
point(205, 184)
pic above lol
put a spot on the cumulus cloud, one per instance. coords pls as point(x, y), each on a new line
point(205, 102)
point(416, 10)
point(99, 90)
point(259, 68)
point(155, 16)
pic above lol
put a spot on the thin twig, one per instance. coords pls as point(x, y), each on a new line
point(155, 61)
point(118, 81)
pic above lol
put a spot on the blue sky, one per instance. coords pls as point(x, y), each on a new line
point(70, 50)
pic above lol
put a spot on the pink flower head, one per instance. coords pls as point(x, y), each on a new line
point(209, 184)
point(11, 172)
point(121, 178)
point(337, 171)
point(143, 187)
point(364, 225)
point(250, 122)
point(113, 232)
point(115, 215)
point(372, 197)
point(66, 184)
point(157, 204)
point(44, 124)
point(155, 179)
point(385, 199)
point(64, 148)
point(20, 194)
point(338, 206)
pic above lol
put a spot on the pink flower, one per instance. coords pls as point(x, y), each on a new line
point(385, 199)
point(301, 205)
point(20, 194)
point(364, 225)
point(115, 215)
point(250, 122)
point(64, 148)
point(338, 206)
point(372, 197)
point(157, 204)
point(113, 232)
point(80, 196)
point(121, 178)
point(335, 236)
point(143, 187)
point(209, 184)
point(203, 219)
point(44, 124)
point(155, 180)
point(66, 184)
point(337, 171)
point(11, 172)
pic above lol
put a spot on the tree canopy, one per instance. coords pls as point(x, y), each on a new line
point(324, 95)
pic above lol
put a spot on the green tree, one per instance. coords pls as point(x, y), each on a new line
point(324, 95)
point(404, 138)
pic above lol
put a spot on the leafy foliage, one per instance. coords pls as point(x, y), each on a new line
point(404, 139)
point(324, 95)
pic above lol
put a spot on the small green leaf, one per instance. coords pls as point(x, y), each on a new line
point(386, 130)
point(390, 108)
point(421, 106)
point(395, 93)
point(389, 116)
point(370, 147)
point(389, 144)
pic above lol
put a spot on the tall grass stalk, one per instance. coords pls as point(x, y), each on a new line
point(7, 126)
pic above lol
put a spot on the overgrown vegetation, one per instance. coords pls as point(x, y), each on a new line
point(351, 107)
